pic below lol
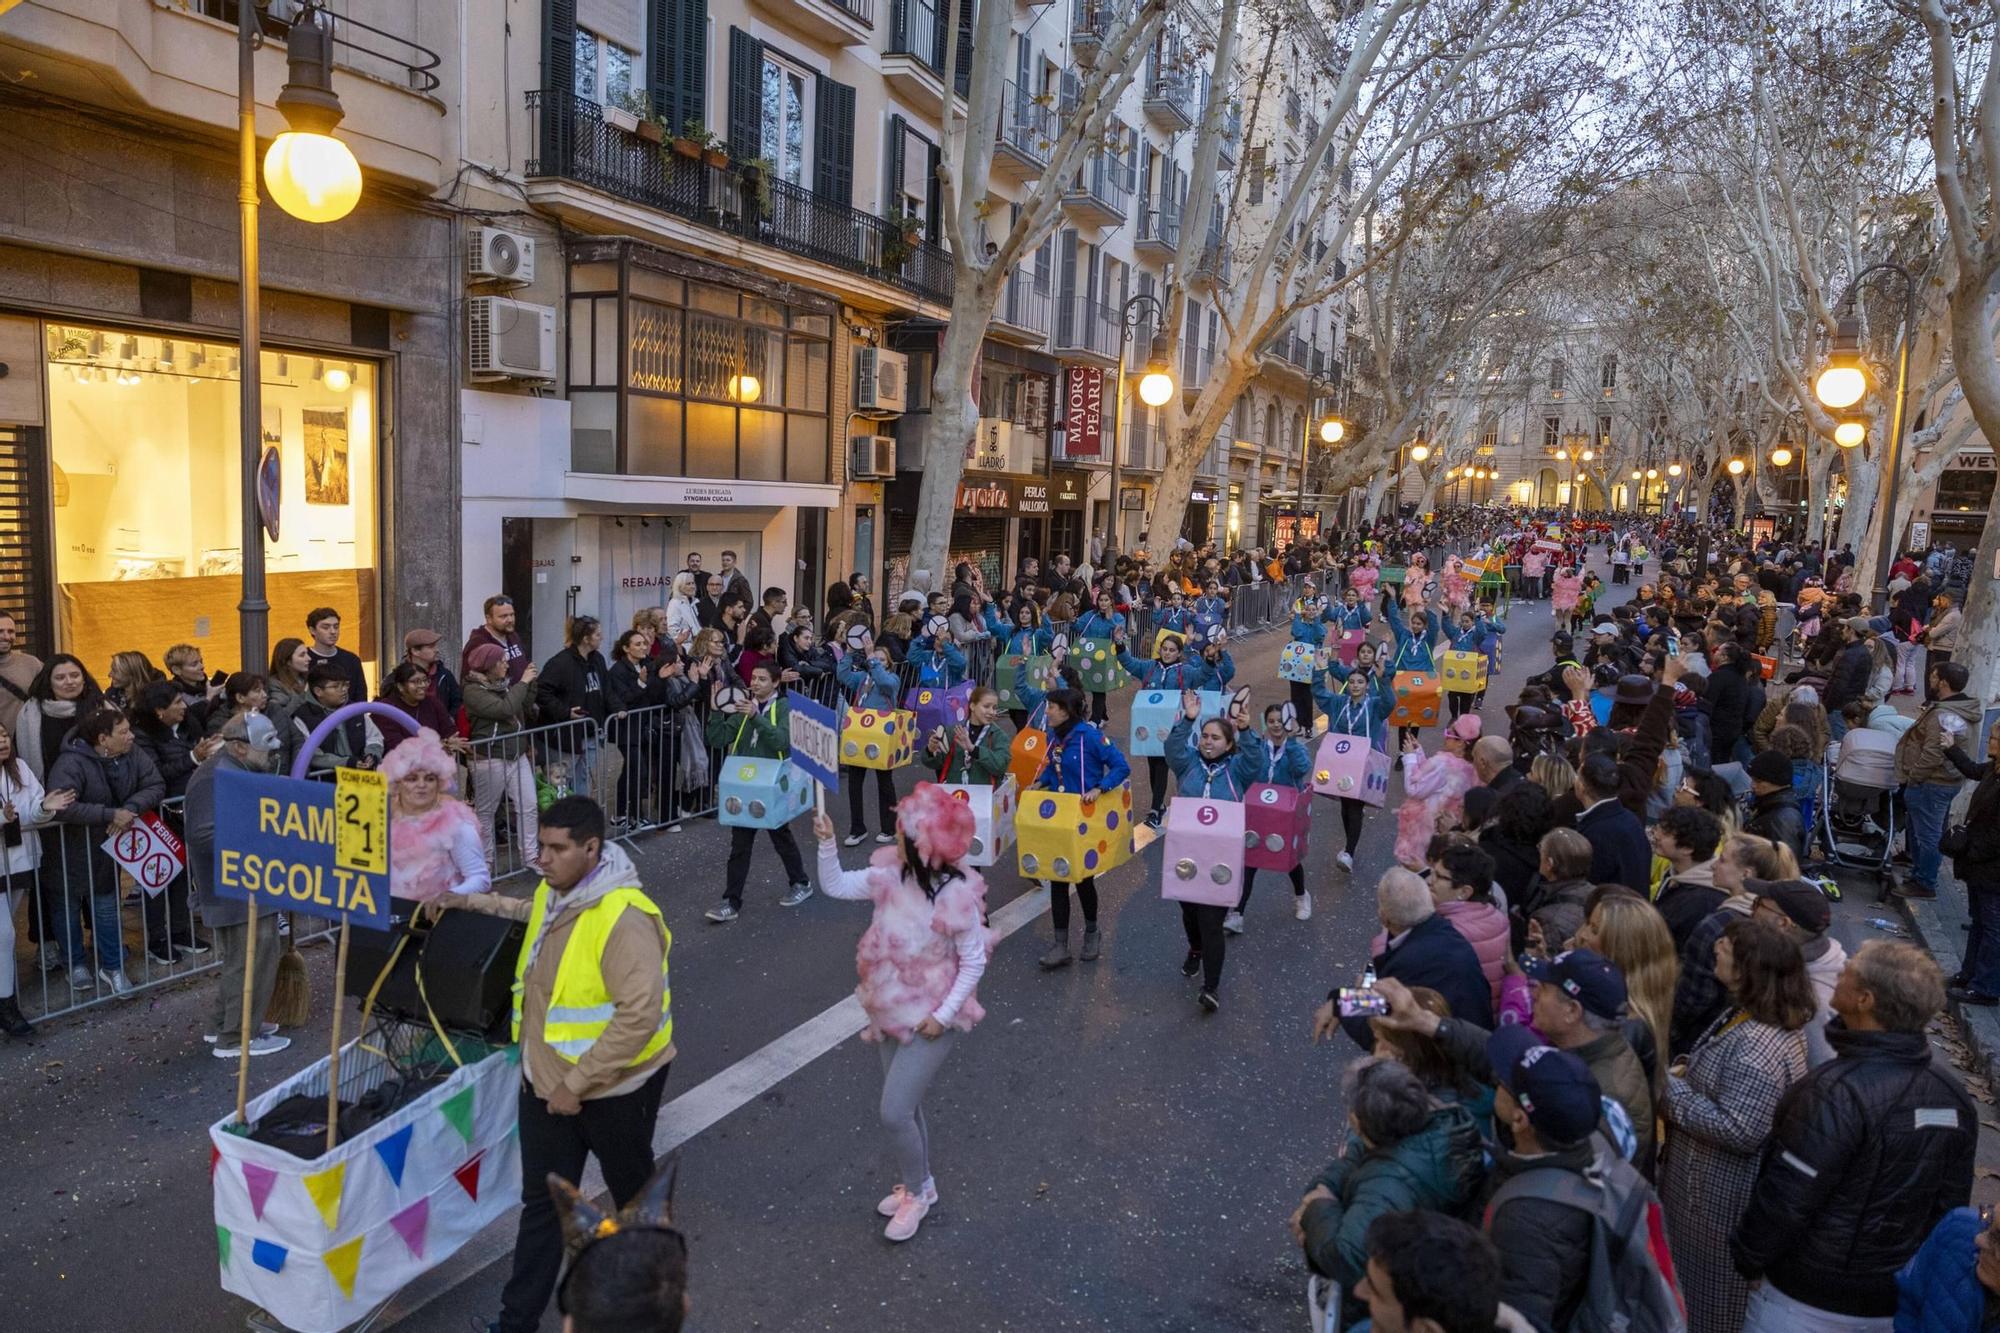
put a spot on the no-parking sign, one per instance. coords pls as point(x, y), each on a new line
point(147, 850)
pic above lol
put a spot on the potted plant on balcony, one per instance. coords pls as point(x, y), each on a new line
point(627, 112)
point(692, 138)
point(906, 229)
point(757, 174)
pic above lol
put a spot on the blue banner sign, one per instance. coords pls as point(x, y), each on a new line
point(274, 843)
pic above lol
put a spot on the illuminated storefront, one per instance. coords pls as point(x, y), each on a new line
point(144, 498)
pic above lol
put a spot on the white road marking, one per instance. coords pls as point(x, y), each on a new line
point(700, 1107)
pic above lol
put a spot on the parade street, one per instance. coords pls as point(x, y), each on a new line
point(1108, 1156)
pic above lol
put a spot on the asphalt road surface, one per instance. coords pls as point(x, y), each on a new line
point(1108, 1156)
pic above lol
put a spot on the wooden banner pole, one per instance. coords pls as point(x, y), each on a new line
point(251, 1021)
point(333, 1056)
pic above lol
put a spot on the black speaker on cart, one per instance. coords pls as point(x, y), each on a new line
point(467, 960)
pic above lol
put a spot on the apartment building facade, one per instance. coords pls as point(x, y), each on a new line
point(118, 327)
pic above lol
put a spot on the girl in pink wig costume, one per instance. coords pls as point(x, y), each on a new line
point(1415, 576)
point(1457, 585)
point(920, 963)
point(1434, 787)
point(434, 846)
point(1363, 577)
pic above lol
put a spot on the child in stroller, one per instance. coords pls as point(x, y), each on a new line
point(1860, 824)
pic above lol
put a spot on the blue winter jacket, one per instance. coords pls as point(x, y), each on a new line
point(1224, 779)
point(1094, 625)
point(937, 661)
point(1411, 653)
point(1289, 765)
point(1081, 761)
point(1369, 717)
point(866, 684)
point(1153, 674)
point(1309, 625)
point(1223, 669)
point(1027, 641)
point(1937, 1291)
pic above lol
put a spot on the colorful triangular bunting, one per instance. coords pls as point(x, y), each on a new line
point(324, 1187)
point(222, 1239)
point(269, 1254)
point(259, 1179)
point(342, 1261)
point(457, 1109)
point(468, 1176)
point(394, 1151)
point(411, 1224)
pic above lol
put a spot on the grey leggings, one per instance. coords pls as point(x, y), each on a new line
point(907, 1072)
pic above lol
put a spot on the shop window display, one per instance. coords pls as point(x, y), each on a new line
point(144, 448)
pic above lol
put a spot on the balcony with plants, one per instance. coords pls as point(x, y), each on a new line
point(1026, 135)
point(688, 173)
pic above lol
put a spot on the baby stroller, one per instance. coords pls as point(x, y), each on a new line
point(1858, 826)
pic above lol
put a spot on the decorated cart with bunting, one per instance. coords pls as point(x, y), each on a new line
point(319, 1242)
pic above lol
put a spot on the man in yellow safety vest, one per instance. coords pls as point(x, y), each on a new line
point(593, 1014)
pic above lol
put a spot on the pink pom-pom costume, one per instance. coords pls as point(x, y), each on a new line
point(919, 962)
point(1432, 786)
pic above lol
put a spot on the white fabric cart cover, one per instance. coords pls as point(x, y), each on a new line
point(320, 1243)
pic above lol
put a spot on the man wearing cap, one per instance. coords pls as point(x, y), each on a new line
point(1930, 783)
point(1866, 1153)
point(1851, 673)
point(421, 646)
point(1803, 913)
point(250, 744)
point(1579, 1006)
point(1774, 809)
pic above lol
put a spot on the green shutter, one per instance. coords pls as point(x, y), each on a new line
point(677, 60)
point(833, 146)
point(746, 88)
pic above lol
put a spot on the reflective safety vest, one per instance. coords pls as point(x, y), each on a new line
point(579, 1006)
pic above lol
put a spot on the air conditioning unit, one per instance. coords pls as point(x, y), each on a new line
point(881, 382)
point(510, 339)
point(494, 255)
point(872, 455)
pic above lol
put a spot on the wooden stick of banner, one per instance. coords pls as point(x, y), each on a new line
point(250, 1020)
point(333, 1056)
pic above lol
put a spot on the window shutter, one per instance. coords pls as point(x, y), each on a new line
point(933, 197)
point(1066, 290)
point(559, 49)
point(833, 148)
point(962, 77)
point(1024, 52)
point(746, 88)
point(892, 201)
point(677, 60)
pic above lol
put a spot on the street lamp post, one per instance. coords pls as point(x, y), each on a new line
point(1842, 384)
point(312, 176)
point(1156, 387)
point(1331, 429)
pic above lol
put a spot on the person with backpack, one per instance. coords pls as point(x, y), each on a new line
point(1580, 1233)
point(1868, 1152)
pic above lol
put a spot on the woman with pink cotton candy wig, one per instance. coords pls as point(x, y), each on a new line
point(919, 963)
point(434, 846)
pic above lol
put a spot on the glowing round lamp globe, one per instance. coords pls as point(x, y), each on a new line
point(338, 380)
point(1841, 385)
point(1781, 457)
point(1850, 433)
point(745, 388)
point(1735, 467)
point(1155, 388)
point(1653, 474)
point(1331, 431)
point(1673, 469)
point(1420, 452)
point(312, 176)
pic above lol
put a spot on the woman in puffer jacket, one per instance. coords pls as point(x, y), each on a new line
point(1404, 1151)
point(1952, 1284)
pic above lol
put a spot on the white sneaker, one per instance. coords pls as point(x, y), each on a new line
point(1345, 862)
point(263, 1030)
point(909, 1216)
point(1302, 907)
point(117, 980)
point(853, 840)
point(1233, 923)
point(258, 1046)
point(885, 837)
point(894, 1200)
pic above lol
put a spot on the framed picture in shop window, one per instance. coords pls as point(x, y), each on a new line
point(326, 455)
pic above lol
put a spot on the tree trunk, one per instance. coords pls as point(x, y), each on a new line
point(1819, 487)
point(1864, 475)
point(1979, 377)
point(954, 416)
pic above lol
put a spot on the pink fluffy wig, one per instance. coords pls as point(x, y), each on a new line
point(422, 753)
point(936, 824)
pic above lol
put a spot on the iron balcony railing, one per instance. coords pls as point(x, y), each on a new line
point(1026, 302)
point(1026, 125)
point(1160, 223)
point(573, 142)
point(1084, 325)
point(1104, 182)
point(914, 30)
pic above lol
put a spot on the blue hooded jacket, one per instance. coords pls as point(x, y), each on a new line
point(1223, 779)
point(1081, 761)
